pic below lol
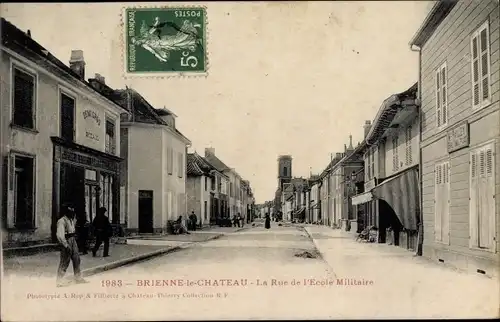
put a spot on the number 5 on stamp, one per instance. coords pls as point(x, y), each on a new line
point(165, 41)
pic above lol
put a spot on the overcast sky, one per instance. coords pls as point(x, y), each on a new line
point(284, 77)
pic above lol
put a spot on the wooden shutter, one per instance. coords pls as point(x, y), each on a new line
point(444, 98)
point(475, 70)
point(485, 63)
point(445, 196)
point(483, 200)
point(438, 98)
point(437, 203)
point(473, 201)
point(490, 204)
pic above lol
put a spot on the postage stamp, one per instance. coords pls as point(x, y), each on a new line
point(165, 41)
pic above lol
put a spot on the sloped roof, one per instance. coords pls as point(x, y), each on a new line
point(216, 162)
point(142, 110)
point(438, 13)
point(385, 115)
point(197, 165)
point(20, 42)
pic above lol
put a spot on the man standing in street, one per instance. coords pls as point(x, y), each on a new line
point(69, 248)
point(103, 230)
point(193, 220)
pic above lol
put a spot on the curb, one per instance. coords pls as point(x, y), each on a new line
point(330, 268)
point(119, 263)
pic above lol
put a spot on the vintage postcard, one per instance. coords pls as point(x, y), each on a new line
point(247, 160)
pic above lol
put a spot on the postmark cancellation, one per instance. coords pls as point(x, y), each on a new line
point(165, 41)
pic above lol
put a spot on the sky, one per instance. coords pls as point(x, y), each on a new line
point(284, 77)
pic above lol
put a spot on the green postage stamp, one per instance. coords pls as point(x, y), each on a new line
point(165, 41)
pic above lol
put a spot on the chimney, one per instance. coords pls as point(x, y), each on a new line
point(338, 155)
point(345, 147)
point(77, 63)
point(100, 78)
point(28, 33)
point(209, 151)
point(350, 142)
point(367, 127)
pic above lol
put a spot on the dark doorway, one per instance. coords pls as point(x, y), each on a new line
point(73, 187)
point(145, 211)
point(388, 219)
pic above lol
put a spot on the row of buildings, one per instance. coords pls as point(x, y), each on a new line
point(68, 139)
point(425, 175)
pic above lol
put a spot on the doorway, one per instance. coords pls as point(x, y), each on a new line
point(145, 211)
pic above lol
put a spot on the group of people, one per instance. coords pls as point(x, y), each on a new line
point(238, 220)
point(72, 240)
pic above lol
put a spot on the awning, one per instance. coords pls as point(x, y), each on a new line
point(401, 193)
point(362, 198)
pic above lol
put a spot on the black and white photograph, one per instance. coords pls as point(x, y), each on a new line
point(250, 160)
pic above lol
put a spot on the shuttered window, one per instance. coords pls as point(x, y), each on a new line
point(408, 148)
point(480, 67)
point(170, 160)
point(442, 202)
point(67, 126)
point(395, 157)
point(180, 165)
point(482, 198)
point(23, 99)
point(442, 96)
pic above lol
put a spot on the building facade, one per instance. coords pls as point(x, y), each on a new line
point(224, 200)
point(154, 174)
point(391, 159)
point(61, 139)
point(459, 77)
point(201, 189)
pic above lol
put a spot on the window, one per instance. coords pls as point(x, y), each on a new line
point(180, 162)
point(442, 96)
point(442, 202)
point(67, 117)
point(480, 65)
point(23, 100)
point(368, 165)
point(372, 154)
point(106, 195)
point(212, 183)
point(206, 183)
point(23, 186)
point(205, 208)
point(170, 160)
point(395, 157)
point(408, 150)
point(285, 171)
point(482, 198)
point(110, 137)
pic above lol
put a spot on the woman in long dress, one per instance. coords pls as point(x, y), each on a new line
point(268, 221)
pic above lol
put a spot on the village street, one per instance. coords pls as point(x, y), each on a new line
point(397, 284)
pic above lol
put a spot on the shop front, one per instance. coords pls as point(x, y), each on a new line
point(392, 206)
point(86, 178)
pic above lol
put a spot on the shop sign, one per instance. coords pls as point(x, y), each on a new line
point(93, 125)
point(458, 137)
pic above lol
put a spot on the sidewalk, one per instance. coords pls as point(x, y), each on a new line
point(44, 264)
point(399, 273)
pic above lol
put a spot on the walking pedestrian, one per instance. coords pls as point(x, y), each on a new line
point(268, 221)
point(103, 231)
point(69, 248)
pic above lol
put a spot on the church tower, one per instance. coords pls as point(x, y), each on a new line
point(284, 170)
